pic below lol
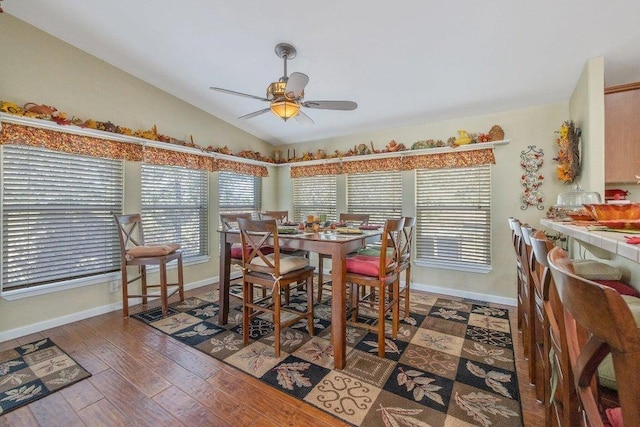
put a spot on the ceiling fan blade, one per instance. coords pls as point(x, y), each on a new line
point(233, 92)
point(254, 114)
point(295, 85)
point(331, 105)
point(303, 119)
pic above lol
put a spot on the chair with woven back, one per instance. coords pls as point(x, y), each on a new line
point(134, 252)
point(274, 272)
point(344, 218)
point(379, 275)
point(598, 322)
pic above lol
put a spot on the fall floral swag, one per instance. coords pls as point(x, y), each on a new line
point(568, 169)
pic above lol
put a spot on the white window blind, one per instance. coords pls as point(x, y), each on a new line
point(57, 221)
point(314, 195)
point(378, 194)
point(453, 227)
point(239, 192)
point(175, 208)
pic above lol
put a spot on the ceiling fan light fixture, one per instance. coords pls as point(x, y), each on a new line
point(285, 109)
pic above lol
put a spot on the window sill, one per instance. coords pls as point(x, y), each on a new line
point(16, 294)
point(468, 268)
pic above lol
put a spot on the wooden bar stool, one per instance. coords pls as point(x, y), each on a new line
point(598, 322)
point(134, 252)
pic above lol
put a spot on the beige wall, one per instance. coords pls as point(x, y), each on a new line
point(532, 126)
point(586, 109)
point(39, 68)
point(42, 69)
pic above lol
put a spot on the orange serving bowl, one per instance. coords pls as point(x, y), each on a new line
point(603, 212)
point(581, 214)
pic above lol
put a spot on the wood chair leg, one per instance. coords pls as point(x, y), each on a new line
point(275, 296)
point(180, 279)
point(395, 309)
point(125, 292)
point(407, 292)
point(164, 299)
point(143, 281)
point(354, 302)
point(310, 305)
point(381, 328)
point(247, 295)
point(320, 276)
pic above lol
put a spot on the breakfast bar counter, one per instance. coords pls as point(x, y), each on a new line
point(600, 243)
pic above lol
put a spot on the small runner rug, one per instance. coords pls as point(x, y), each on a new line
point(452, 364)
point(33, 371)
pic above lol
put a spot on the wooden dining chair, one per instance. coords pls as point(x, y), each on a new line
point(135, 253)
point(515, 242)
point(535, 322)
point(229, 221)
point(279, 216)
point(378, 275)
point(525, 296)
point(405, 260)
point(598, 322)
point(274, 272)
point(343, 218)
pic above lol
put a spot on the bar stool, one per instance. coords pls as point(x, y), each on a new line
point(598, 322)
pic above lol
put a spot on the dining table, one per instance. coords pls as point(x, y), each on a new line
point(334, 244)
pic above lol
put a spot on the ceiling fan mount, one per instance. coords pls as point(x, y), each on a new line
point(286, 95)
point(285, 51)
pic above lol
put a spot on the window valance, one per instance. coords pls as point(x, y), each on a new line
point(244, 168)
point(69, 143)
point(158, 156)
point(85, 145)
point(451, 159)
point(334, 168)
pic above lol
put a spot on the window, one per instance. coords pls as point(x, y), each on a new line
point(314, 195)
point(239, 192)
point(57, 221)
point(174, 207)
point(453, 224)
point(378, 194)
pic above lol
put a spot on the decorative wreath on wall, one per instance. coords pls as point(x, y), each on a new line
point(568, 169)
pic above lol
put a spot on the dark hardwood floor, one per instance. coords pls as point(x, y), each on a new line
point(142, 377)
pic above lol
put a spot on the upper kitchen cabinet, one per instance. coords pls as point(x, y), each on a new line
point(622, 133)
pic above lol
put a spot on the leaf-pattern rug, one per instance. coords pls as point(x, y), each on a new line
point(452, 364)
point(32, 371)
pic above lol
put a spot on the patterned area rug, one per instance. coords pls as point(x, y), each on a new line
point(33, 371)
point(452, 364)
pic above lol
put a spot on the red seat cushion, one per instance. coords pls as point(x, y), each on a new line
point(236, 251)
point(622, 288)
point(364, 264)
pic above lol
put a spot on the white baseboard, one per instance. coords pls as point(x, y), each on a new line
point(81, 315)
point(74, 317)
point(464, 294)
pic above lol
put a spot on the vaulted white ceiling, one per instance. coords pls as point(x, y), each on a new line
point(404, 62)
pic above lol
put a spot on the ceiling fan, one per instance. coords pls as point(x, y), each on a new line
point(286, 96)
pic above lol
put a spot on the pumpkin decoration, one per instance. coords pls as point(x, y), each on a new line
point(496, 133)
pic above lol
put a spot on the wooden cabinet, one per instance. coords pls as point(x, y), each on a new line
point(622, 133)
